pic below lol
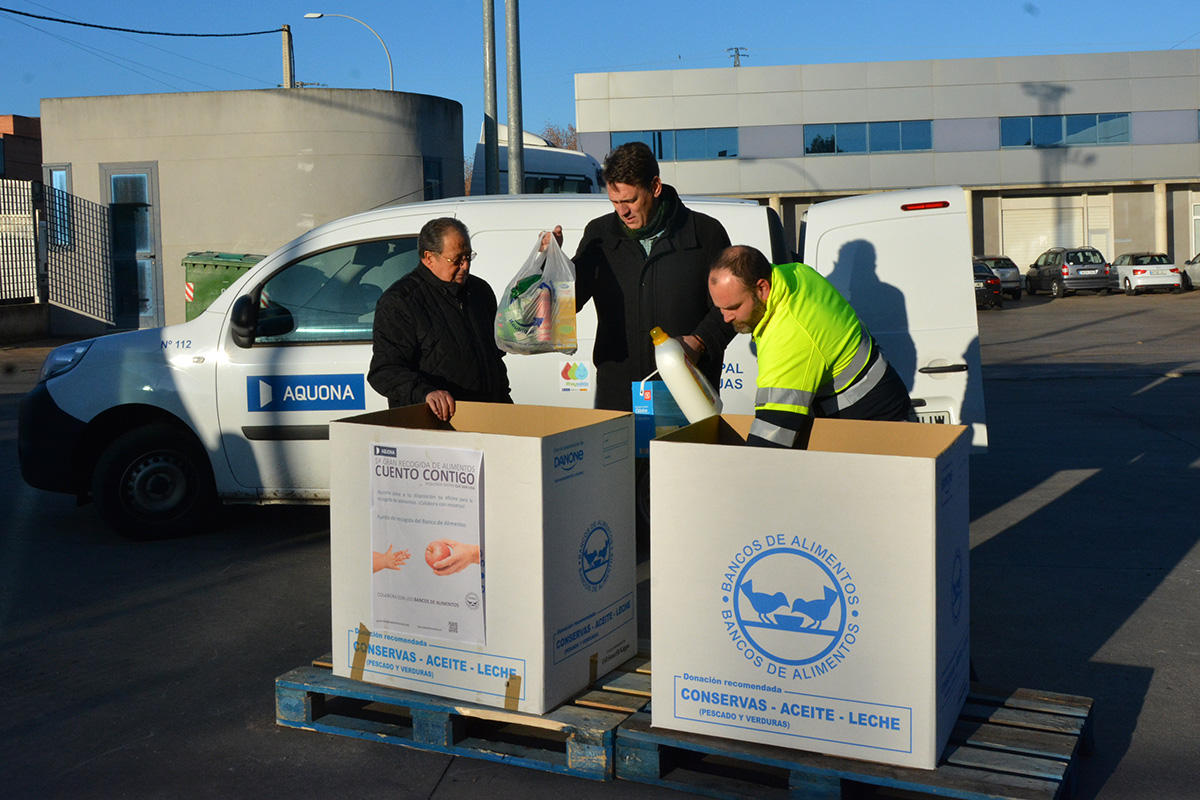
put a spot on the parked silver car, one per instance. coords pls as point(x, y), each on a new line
point(1062, 271)
point(1011, 280)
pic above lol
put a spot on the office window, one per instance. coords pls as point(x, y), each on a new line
point(889, 137)
point(683, 145)
point(1060, 130)
point(851, 137)
point(722, 142)
point(1015, 132)
point(1112, 128)
point(916, 134)
point(1047, 131)
point(661, 143)
point(885, 137)
point(819, 139)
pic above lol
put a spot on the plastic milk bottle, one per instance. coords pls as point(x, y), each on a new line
point(695, 395)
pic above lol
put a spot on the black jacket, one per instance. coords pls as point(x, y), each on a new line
point(426, 337)
point(634, 293)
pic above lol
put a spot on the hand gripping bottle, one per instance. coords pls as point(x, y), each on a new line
point(695, 395)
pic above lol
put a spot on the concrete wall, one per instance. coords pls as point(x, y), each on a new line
point(247, 171)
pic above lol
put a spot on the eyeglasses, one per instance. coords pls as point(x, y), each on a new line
point(465, 258)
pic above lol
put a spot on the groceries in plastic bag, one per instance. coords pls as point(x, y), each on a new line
point(536, 312)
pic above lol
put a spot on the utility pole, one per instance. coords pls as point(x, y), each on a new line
point(737, 55)
point(289, 60)
point(516, 133)
point(491, 144)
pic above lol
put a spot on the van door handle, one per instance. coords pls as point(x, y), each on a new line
point(943, 369)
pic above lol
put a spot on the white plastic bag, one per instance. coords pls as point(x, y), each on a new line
point(536, 312)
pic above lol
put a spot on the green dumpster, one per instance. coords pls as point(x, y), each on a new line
point(209, 273)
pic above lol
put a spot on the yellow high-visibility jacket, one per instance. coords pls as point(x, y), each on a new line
point(813, 353)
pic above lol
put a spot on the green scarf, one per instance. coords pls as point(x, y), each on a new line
point(657, 223)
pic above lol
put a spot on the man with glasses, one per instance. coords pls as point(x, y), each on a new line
point(432, 334)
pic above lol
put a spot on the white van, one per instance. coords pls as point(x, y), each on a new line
point(234, 405)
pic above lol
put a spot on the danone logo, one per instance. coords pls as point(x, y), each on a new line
point(568, 461)
point(595, 556)
point(790, 606)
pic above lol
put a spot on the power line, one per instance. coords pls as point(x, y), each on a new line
point(97, 52)
point(131, 30)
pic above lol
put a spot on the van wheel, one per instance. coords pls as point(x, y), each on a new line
point(1129, 290)
point(154, 482)
point(1057, 290)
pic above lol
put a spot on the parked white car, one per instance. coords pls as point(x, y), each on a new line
point(155, 425)
point(1135, 273)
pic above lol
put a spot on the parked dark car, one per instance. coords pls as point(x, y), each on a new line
point(987, 287)
point(1009, 274)
point(1065, 270)
point(1135, 273)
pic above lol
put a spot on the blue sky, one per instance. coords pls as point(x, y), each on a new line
point(437, 48)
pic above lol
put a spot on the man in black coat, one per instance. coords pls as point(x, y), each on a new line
point(433, 339)
point(646, 265)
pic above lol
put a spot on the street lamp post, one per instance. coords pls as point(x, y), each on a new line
point(391, 80)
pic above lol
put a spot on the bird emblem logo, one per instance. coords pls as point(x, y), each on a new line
point(595, 556)
point(789, 603)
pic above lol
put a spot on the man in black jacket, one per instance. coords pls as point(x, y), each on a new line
point(646, 265)
point(433, 339)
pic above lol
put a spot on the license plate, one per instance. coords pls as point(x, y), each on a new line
point(978, 284)
point(1088, 271)
point(934, 417)
point(1159, 272)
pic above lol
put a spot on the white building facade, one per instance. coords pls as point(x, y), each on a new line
point(1099, 149)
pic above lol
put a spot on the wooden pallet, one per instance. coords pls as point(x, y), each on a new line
point(1021, 744)
point(577, 738)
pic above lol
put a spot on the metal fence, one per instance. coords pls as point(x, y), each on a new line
point(79, 255)
point(18, 241)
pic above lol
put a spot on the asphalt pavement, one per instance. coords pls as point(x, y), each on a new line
point(147, 670)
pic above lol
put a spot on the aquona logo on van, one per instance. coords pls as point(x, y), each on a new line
point(305, 392)
point(790, 606)
point(595, 556)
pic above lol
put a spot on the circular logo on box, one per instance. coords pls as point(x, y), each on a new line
point(956, 585)
point(472, 601)
point(790, 606)
point(595, 556)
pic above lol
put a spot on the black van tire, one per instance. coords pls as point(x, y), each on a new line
point(154, 482)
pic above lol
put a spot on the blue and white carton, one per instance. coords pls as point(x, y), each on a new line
point(540, 498)
point(814, 599)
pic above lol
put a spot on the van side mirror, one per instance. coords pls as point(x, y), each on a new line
point(243, 320)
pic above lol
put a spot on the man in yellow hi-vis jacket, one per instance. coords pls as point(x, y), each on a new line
point(815, 357)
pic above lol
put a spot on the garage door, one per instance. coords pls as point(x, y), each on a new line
point(1026, 233)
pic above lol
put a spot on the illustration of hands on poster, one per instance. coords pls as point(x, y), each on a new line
point(427, 501)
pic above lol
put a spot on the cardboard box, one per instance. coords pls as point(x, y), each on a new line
point(555, 604)
point(816, 599)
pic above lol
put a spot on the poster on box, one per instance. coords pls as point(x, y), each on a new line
point(426, 542)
